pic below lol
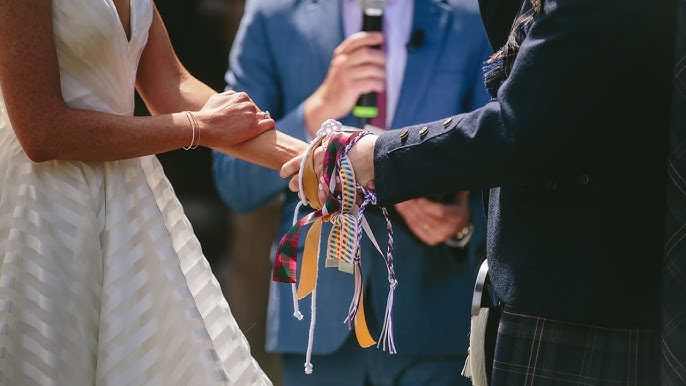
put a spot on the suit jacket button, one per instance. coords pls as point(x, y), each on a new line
point(584, 179)
point(423, 131)
point(404, 133)
point(447, 122)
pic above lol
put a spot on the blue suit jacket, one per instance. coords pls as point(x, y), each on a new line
point(280, 57)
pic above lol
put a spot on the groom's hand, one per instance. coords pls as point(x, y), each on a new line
point(356, 68)
point(361, 156)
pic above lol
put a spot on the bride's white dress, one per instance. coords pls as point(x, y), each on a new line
point(102, 281)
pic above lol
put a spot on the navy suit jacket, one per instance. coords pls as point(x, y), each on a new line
point(574, 149)
point(280, 57)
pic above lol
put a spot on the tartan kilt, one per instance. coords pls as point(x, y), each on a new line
point(536, 351)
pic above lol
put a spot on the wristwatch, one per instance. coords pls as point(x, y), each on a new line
point(461, 238)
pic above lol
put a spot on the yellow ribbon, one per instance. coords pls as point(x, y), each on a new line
point(308, 270)
point(364, 338)
point(308, 274)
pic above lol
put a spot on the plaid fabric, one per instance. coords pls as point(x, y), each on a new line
point(674, 271)
point(286, 262)
point(536, 351)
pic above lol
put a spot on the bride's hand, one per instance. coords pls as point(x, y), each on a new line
point(361, 156)
point(230, 118)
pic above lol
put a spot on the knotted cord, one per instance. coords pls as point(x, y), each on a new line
point(343, 244)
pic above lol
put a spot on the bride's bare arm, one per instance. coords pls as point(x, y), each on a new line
point(166, 86)
point(162, 81)
point(48, 128)
point(270, 149)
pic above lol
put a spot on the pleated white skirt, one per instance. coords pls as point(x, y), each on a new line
point(102, 281)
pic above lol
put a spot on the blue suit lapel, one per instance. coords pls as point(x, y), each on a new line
point(321, 21)
point(433, 18)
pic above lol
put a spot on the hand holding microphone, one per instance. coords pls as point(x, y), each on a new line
point(367, 107)
point(357, 67)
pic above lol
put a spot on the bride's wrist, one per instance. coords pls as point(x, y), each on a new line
point(203, 122)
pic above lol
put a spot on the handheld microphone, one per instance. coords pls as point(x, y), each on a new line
point(372, 21)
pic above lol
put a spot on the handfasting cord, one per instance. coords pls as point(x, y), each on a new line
point(370, 199)
point(343, 245)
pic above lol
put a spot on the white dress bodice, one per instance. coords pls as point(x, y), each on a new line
point(98, 63)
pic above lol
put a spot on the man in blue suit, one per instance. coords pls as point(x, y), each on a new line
point(305, 61)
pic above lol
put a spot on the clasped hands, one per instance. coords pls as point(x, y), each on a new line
point(230, 118)
point(358, 68)
point(430, 221)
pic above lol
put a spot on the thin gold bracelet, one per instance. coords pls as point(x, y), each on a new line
point(191, 120)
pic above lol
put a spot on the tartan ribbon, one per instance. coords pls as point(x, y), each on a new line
point(343, 244)
point(285, 265)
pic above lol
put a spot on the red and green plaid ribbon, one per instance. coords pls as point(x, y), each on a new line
point(285, 265)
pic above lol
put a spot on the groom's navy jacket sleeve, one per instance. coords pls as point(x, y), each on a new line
point(567, 82)
point(574, 149)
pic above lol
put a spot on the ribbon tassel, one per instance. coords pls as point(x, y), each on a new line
point(343, 242)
